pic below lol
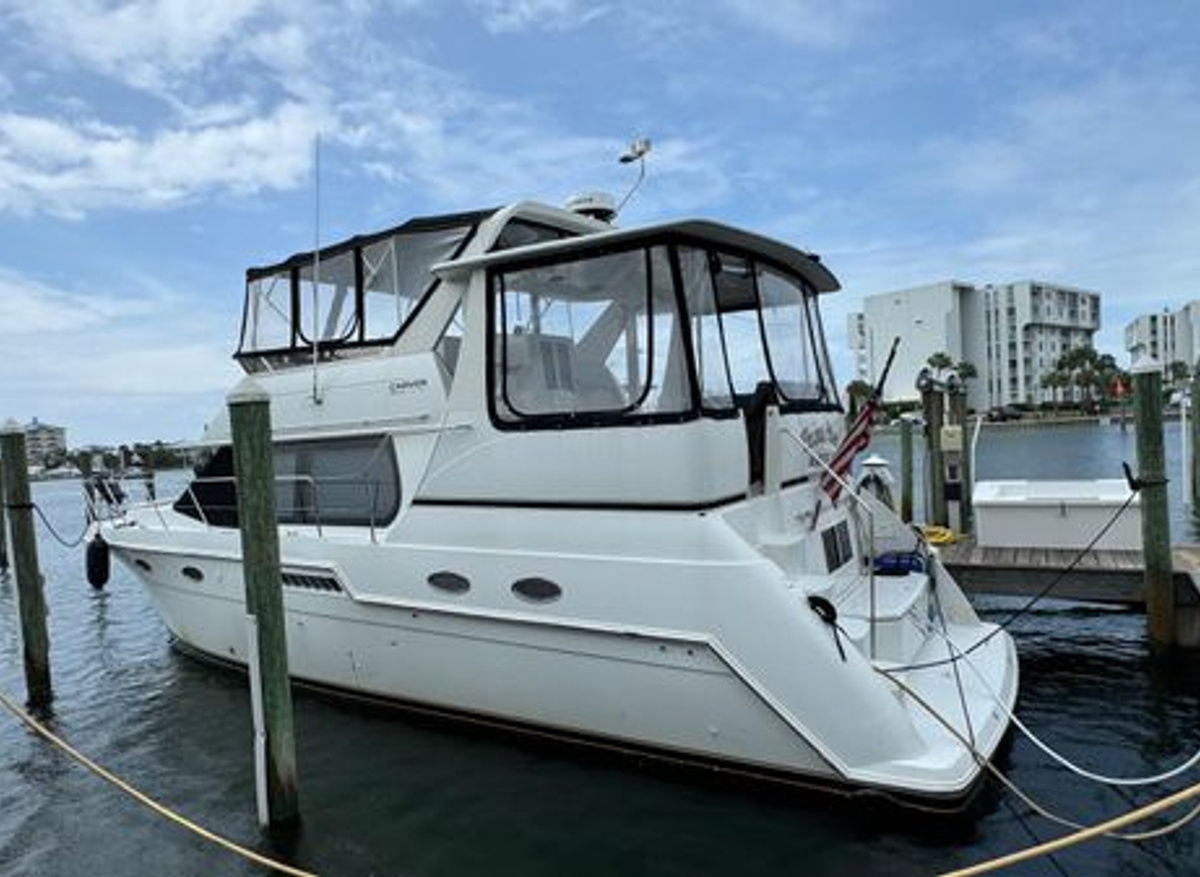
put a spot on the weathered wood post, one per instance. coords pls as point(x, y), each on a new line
point(3, 524)
point(1156, 523)
point(254, 468)
point(906, 470)
point(958, 416)
point(934, 405)
point(1194, 496)
point(30, 599)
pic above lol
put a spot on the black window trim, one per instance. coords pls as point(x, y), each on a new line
point(671, 239)
point(327, 348)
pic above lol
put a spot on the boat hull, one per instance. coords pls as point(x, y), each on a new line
point(746, 676)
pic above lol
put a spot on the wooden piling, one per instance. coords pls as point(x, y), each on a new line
point(906, 470)
point(3, 525)
point(250, 421)
point(958, 416)
point(933, 403)
point(31, 601)
point(1156, 522)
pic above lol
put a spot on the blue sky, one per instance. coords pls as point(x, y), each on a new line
point(151, 150)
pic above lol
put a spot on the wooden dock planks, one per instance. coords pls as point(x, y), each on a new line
point(1097, 576)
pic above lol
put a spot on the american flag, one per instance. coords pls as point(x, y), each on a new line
point(857, 437)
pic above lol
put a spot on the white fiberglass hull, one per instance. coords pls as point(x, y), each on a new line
point(685, 642)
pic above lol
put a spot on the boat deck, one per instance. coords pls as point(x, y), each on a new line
point(1100, 576)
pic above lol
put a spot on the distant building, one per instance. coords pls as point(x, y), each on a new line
point(43, 441)
point(928, 319)
point(1168, 337)
point(1013, 333)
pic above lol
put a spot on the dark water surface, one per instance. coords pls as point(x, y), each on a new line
point(386, 794)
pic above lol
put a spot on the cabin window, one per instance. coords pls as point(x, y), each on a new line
point(269, 311)
point(328, 307)
point(751, 326)
point(330, 482)
point(789, 335)
point(361, 292)
point(586, 340)
point(712, 368)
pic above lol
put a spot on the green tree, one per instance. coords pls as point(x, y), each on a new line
point(940, 361)
point(1056, 381)
point(1179, 372)
point(857, 392)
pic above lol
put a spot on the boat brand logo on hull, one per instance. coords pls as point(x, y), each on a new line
point(408, 386)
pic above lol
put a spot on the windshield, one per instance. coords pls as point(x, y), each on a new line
point(653, 332)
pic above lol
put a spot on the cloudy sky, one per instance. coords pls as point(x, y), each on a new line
point(151, 150)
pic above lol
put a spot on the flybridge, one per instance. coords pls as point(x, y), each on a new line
point(357, 293)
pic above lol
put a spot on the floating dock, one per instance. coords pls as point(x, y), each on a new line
point(1099, 576)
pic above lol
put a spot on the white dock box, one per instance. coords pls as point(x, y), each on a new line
point(1055, 514)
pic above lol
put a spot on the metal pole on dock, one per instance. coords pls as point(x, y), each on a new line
point(254, 468)
point(3, 525)
point(906, 470)
point(1156, 523)
point(30, 599)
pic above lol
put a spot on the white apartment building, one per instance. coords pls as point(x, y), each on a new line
point(1012, 333)
point(1168, 337)
point(927, 319)
point(43, 440)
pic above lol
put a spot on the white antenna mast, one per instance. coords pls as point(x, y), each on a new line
point(636, 152)
point(316, 283)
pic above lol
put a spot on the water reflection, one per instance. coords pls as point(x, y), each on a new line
point(388, 793)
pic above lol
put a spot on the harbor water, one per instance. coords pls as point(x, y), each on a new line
point(388, 793)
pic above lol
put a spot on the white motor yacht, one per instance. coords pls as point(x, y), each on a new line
point(535, 469)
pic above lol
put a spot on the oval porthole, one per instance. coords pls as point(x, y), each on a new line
point(537, 590)
point(450, 582)
point(141, 564)
point(193, 573)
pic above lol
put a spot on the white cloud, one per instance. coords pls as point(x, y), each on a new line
point(507, 16)
point(67, 168)
point(139, 41)
point(805, 22)
point(70, 350)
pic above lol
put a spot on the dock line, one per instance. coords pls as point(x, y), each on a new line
point(144, 799)
point(1101, 829)
point(1030, 603)
point(1056, 756)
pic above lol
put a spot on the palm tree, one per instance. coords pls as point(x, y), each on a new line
point(1081, 365)
point(857, 392)
point(940, 362)
point(1179, 372)
point(1055, 381)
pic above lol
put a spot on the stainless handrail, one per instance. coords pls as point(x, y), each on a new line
point(313, 497)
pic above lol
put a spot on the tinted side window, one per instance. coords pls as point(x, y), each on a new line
point(347, 481)
point(343, 481)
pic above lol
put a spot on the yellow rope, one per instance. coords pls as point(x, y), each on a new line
point(938, 535)
point(1079, 836)
point(146, 800)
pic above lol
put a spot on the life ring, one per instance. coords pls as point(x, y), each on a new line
point(937, 535)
